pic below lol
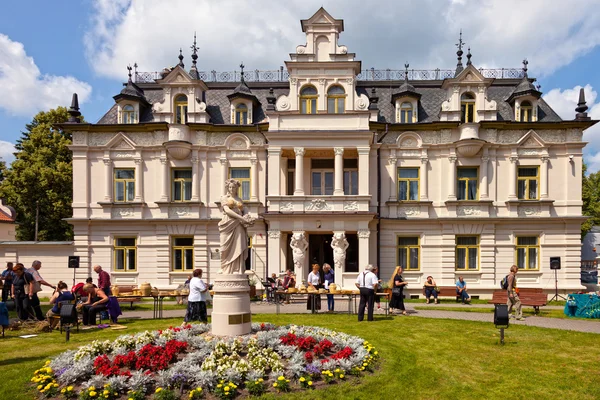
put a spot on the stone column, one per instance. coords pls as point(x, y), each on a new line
point(164, 195)
point(363, 248)
point(338, 182)
point(363, 170)
point(231, 315)
point(108, 176)
point(195, 178)
point(274, 246)
point(254, 180)
point(299, 190)
point(393, 161)
point(139, 180)
point(224, 175)
point(544, 178)
point(452, 178)
point(483, 189)
point(424, 195)
point(274, 155)
point(512, 178)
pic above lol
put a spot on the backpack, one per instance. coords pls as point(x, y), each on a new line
point(504, 283)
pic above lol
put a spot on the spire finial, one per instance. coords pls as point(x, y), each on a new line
point(73, 111)
point(581, 107)
point(469, 56)
point(459, 53)
point(242, 66)
point(129, 71)
point(525, 62)
point(180, 58)
point(406, 65)
point(194, 52)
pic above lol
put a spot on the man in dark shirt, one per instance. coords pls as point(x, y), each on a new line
point(103, 280)
point(7, 278)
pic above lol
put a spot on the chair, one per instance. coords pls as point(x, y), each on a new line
point(270, 290)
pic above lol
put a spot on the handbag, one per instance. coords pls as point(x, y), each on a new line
point(436, 288)
point(397, 290)
point(37, 286)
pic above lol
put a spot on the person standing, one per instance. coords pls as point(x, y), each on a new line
point(461, 290)
point(21, 279)
point(196, 308)
point(34, 301)
point(314, 281)
point(329, 278)
point(96, 302)
point(7, 278)
point(397, 284)
point(367, 282)
point(513, 294)
point(103, 280)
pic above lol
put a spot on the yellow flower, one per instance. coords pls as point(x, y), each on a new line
point(309, 383)
point(275, 384)
point(130, 398)
point(55, 384)
point(302, 379)
point(40, 387)
point(260, 379)
point(226, 388)
point(106, 392)
point(281, 378)
point(287, 380)
point(158, 390)
point(63, 390)
point(219, 385)
point(376, 353)
point(337, 370)
point(341, 376)
point(93, 394)
point(92, 388)
point(69, 388)
point(191, 395)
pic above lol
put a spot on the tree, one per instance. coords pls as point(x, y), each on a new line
point(590, 195)
point(2, 170)
point(42, 176)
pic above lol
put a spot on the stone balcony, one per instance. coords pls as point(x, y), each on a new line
point(318, 204)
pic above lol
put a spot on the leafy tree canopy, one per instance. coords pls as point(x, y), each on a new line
point(590, 195)
point(42, 174)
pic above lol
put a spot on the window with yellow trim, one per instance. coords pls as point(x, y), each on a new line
point(467, 184)
point(528, 179)
point(241, 114)
point(128, 114)
point(408, 253)
point(308, 100)
point(124, 255)
point(182, 254)
point(408, 184)
point(181, 107)
point(182, 185)
point(467, 253)
point(526, 111)
point(467, 108)
point(527, 252)
point(242, 175)
point(336, 99)
point(124, 185)
point(406, 113)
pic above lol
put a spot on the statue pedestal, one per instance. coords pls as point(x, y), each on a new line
point(231, 314)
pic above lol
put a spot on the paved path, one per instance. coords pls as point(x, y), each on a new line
point(592, 326)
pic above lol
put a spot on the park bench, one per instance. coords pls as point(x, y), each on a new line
point(446, 291)
point(535, 298)
point(128, 290)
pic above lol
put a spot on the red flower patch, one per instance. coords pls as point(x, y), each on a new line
point(342, 354)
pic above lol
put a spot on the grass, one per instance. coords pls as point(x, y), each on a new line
point(526, 311)
point(421, 359)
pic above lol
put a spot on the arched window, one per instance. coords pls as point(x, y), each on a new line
point(526, 110)
point(181, 106)
point(336, 99)
point(241, 114)
point(467, 108)
point(308, 100)
point(128, 114)
point(406, 113)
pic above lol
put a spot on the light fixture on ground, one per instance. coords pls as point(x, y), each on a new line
point(501, 319)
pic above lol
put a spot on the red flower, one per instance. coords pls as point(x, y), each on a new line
point(308, 357)
point(344, 353)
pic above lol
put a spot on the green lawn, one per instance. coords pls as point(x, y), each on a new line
point(421, 359)
point(527, 311)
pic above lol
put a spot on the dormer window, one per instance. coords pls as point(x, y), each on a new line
point(128, 114)
point(181, 106)
point(241, 114)
point(336, 99)
point(308, 100)
point(526, 112)
point(406, 113)
point(467, 108)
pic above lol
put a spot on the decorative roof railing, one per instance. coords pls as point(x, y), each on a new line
point(281, 75)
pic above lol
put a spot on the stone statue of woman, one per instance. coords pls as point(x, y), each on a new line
point(299, 246)
point(339, 244)
point(233, 230)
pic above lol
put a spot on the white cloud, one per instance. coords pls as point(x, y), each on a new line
point(384, 34)
point(24, 90)
point(564, 103)
point(6, 152)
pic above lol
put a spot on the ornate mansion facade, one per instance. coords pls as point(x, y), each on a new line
point(446, 172)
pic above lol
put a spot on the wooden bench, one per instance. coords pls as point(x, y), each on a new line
point(127, 290)
point(446, 291)
point(535, 298)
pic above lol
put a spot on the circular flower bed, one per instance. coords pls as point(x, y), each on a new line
point(187, 362)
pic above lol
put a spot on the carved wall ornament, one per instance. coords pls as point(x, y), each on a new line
point(338, 151)
point(351, 206)
point(317, 205)
point(201, 138)
point(530, 152)
point(410, 153)
point(452, 159)
point(299, 151)
point(241, 285)
point(531, 142)
point(283, 103)
point(202, 106)
point(574, 135)
point(349, 81)
point(178, 212)
point(99, 139)
point(489, 135)
point(239, 154)
point(342, 50)
point(167, 91)
point(445, 136)
point(293, 81)
point(362, 102)
point(79, 138)
point(122, 213)
point(468, 211)
point(392, 161)
point(409, 211)
point(217, 138)
point(289, 206)
point(506, 137)
point(123, 155)
point(322, 81)
point(274, 234)
point(107, 161)
point(528, 211)
point(238, 144)
point(300, 49)
point(408, 142)
point(191, 91)
point(363, 234)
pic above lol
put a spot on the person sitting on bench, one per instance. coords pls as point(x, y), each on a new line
point(461, 290)
point(97, 301)
point(430, 287)
point(61, 293)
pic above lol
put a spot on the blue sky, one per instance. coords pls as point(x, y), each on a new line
point(50, 49)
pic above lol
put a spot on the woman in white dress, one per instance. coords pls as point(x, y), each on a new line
point(196, 309)
point(314, 281)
